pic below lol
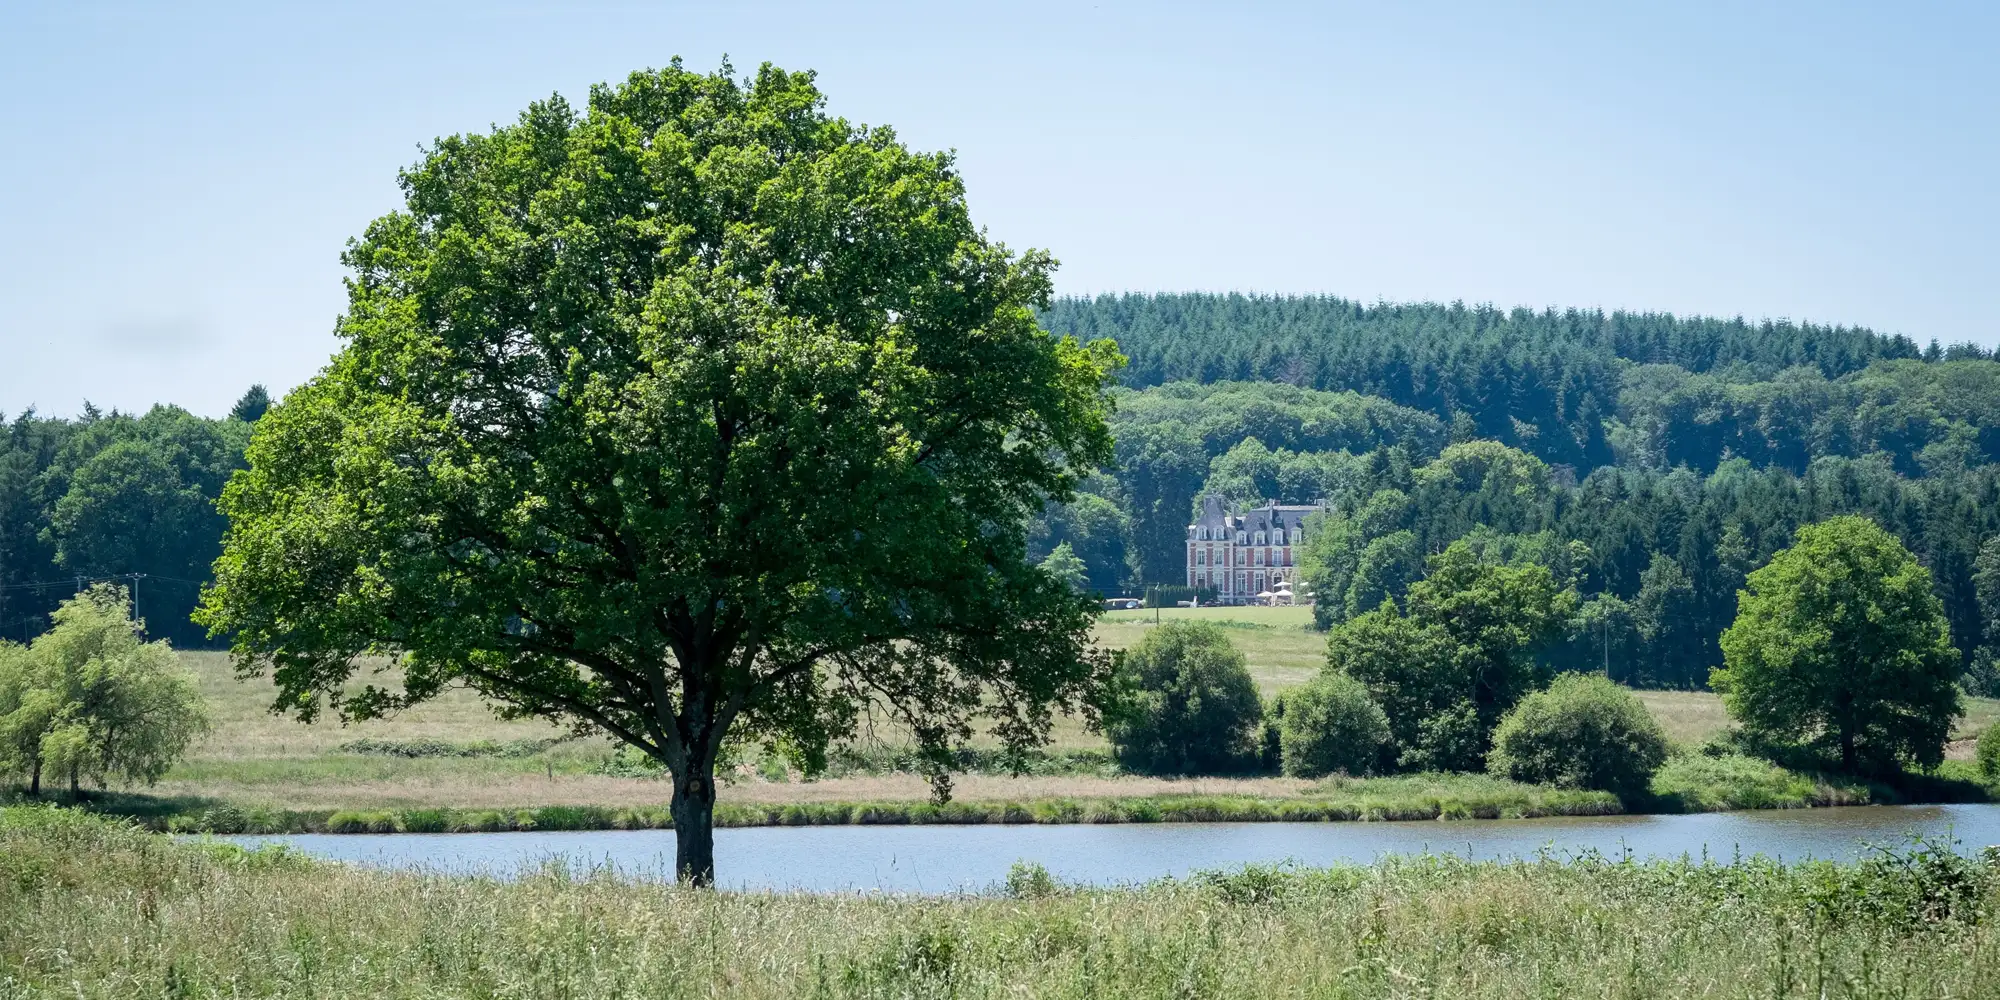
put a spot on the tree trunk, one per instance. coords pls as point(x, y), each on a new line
point(694, 824)
point(1847, 751)
point(35, 780)
point(74, 789)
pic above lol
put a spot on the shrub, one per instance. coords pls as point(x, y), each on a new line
point(1185, 704)
point(1582, 732)
point(1029, 880)
point(1988, 753)
point(1449, 739)
point(428, 747)
point(1331, 725)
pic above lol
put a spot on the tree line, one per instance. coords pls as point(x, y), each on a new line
point(1548, 382)
point(1838, 658)
point(117, 497)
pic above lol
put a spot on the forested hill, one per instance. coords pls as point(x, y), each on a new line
point(1653, 459)
point(1546, 382)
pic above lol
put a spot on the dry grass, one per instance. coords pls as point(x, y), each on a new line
point(1689, 717)
point(246, 729)
point(254, 758)
point(993, 788)
point(436, 783)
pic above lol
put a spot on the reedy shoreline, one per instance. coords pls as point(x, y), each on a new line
point(92, 909)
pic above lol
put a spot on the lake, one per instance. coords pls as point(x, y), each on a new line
point(930, 859)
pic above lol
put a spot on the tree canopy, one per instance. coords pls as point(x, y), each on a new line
point(1185, 703)
point(1676, 455)
point(89, 699)
point(693, 414)
point(1462, 655)
point(1840, 643)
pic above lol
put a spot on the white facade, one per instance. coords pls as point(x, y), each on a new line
point(1243, 555)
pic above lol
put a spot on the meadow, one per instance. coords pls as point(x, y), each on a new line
point(90, 909)
point(455, 754)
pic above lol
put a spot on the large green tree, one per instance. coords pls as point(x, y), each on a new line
point(1462, 655)
point(695, 414)
point(1840, 643)
point(1186, 703)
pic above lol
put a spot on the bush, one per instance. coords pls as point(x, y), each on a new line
point(426, 747)
point(1331, 725)
point(1185, 704)
point(1582, 732)
point(1449, 739)
point(1988, 753)
point(1029, 880)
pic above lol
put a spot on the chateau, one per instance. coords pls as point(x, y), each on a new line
point(1242, 555)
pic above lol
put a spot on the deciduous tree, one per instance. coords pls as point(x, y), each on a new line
point(1840, 643)
point(694, 414)
point(1186, 703)
point(88, 699)
point(1462, 655)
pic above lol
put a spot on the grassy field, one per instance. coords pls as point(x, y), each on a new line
point(89, 910)
point(1279, 643)
point(261, 761)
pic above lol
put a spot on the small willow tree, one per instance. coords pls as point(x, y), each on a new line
point(89, 699)
point(696, 415)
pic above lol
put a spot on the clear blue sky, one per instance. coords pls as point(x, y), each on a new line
point(178, 183)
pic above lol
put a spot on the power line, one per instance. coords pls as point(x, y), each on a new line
point(76, 581)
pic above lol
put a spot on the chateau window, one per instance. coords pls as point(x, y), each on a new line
point(1260, 538)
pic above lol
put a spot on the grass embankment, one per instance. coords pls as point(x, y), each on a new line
point(88, 910)
point(452, 758)
point(1409, 797)
point(1688, 783)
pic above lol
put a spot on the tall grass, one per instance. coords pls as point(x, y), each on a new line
point(89, 909)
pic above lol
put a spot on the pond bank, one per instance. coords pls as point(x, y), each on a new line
point(1688, 784)
point(97, 909)
point(946, 859)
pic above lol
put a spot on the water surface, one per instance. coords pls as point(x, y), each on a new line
point(955, 858)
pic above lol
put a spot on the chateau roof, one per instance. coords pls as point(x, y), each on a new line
point(1265, 518)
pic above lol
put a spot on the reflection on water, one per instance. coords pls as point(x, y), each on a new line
point(952, 858)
